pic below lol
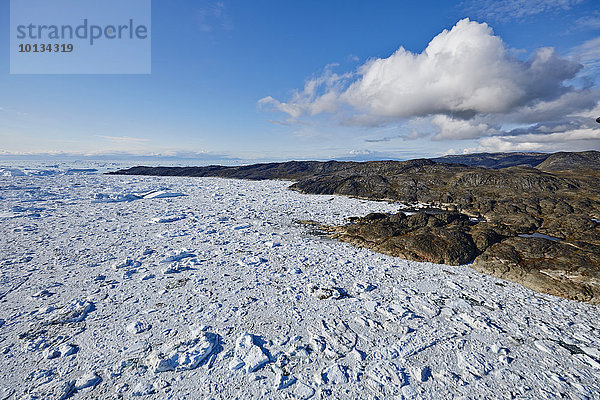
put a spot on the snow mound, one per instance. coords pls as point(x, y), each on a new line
point(76, 311)
point(176, 268)
point(334, 374)
point(385, 378)
point(137, 327)
point(185, 354)
point(334, 337)
point(126, 263)
point(248, 356)
point(87, 380)
point(167, 219)
point(64, 350)
point(175, 256)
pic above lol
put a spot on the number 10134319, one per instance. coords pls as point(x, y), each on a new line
point(46, 48)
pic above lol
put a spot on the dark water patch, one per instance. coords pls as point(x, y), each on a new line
point(540, 236)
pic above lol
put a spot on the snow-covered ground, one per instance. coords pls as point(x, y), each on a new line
point(192, 288)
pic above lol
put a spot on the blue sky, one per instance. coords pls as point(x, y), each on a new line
point(275, 80)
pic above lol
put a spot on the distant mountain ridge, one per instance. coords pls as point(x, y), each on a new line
point(295, 170)
point(543, 161)
point(496, 160)
point(567, 161)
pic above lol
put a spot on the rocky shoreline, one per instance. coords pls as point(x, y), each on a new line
point(531, 219)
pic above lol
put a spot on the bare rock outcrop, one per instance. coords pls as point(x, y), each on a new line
point(420, 237)
point(559, 268)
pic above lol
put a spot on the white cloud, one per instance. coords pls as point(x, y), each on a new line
point(568, 104)
point(360, 152)
point(467, 84)
point(577, 133)
point(463, 72)
point(574, 140)
point(449, 128)
point(310, 101)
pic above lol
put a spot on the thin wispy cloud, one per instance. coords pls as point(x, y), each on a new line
point(505, 10)
point(213, 16)
point(288, 122)
point(121, 155)
point(383, 135)
point(588, 22)
point(379, 140)
point(588, 54)
point(13, 111)
point(124, 140)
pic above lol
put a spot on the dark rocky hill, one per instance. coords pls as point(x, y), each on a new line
point(496, 160)
point(568, 161)
point(537, 226)
point(291, 170)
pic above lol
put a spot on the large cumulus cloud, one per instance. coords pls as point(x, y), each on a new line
point(467, 84)
point(466, 70)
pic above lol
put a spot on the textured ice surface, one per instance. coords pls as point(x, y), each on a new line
point(183, 354)
point(103, 299)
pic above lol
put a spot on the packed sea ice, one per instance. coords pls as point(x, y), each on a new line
point(206, 288)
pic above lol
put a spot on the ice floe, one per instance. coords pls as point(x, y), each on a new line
point(127, 197)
